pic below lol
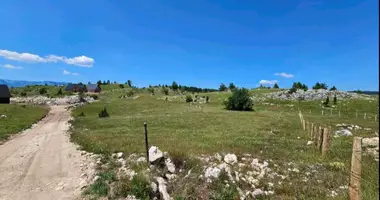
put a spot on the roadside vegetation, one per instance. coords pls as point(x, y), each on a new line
point(271, 131)
point(16, 118)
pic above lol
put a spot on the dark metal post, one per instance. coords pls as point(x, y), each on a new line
point(146, 142)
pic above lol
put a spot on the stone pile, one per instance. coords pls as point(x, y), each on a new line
point(320, 94)
point(42, 100)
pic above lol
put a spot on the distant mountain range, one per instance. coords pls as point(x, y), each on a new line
point(16, 83)
point(366, 92)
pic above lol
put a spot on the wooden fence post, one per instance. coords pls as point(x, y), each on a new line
point(320, 138)
point(322, 112)
point(365, 115)
point(316, 135)
point(304, 125)
point(307, 127)
point(325, 141)
point(356, 168)
point(311, 131)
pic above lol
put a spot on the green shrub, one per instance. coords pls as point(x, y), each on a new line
point(121, 86)
point(335, 100)
point(140, 187)
point(59, 91)
point(94, 96)
point(222, 87)
point(276, 86)
point(165, 91)
point(42, 91)
point(240, 100)
point(327, 101)
point(23, 94)
point(81, 114)
point(189, 98)
point(130, 93)
point(207, 99)
point(103, 113)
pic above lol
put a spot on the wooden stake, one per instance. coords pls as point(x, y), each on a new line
point(325, 141)
point(320, 138)
point(304, 125)
point(322, 112)
point(146, 142)
point(312, 131)
point(356, 168)
point(365, 115)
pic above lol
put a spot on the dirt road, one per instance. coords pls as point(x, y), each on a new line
point(41, 163)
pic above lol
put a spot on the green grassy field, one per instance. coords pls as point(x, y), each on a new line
point(34, 90)
point(272, 131)
point(18, 118)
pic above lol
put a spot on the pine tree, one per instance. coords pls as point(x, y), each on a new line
point(275, 86)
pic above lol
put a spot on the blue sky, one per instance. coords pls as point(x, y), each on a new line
point(198, 42)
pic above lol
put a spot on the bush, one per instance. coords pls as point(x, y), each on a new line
point(42, 91)
point(151, 90)
point(121, 86)
point(335, 100)
point(94, 96)
point(165, 91)
point(207, 99)
point(276, 86)
point(130, 93)
point(320, 86)
point(326, 102)
point(59, 91)
point(81, 114)
point(81, 97)
point(189, 98)
point(333, 88)
point(103, 113)
point(240, 100)
point(23, 94)
point(222, 87)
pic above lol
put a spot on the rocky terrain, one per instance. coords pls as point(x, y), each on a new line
point(42, 100)
point(213, 177)
point(320, 94)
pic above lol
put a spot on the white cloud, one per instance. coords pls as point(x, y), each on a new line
point(82, 61)
point(65, 72)
point(285, 75)
point(8, 66)
point(268, 82)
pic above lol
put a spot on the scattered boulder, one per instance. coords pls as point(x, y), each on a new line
point(218, 157)
point(169, 164)
point(155, 154)
point(309, 142)
point(3, 116)
point(230, 159)
point(212, 172)
point(343, 132)
point(141, 159)
point(120, 155)
point(162, 188)
point(153, 185)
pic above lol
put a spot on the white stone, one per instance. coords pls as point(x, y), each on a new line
point(120, 155)
point(230, 158)
point(3, 116)
point(257, 192)
point(141, 159)
point(218, 157)
point(153, 185)
point(241, 193)
point(343, 132)
point(95, 178)
point(170, 176)
point(170, 165)
point(309, 142)
point(162, 188)
point(154, 154)
point(212, 172)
